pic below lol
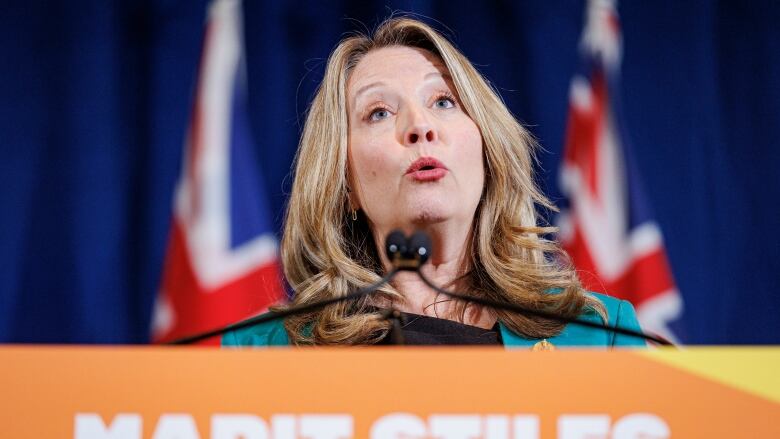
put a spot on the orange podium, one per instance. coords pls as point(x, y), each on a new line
point(377, 392)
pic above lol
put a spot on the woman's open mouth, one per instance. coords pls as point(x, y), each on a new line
point(427, 169)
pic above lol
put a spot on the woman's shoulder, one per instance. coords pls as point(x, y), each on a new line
point(620, 313)
point(271, 333)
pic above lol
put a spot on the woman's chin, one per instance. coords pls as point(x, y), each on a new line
point(424, 210)
point(431, 207)
point(430, 214)
point(425, 218)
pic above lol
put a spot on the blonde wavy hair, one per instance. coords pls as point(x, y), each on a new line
point(325, 254)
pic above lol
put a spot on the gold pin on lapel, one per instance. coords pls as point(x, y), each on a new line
point(543, 345)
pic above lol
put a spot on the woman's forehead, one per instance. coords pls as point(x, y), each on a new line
point(393, 63)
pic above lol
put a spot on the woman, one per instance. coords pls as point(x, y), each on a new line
point(405, 133)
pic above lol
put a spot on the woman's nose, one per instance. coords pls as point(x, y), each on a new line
point(416, 136)
point(419, 130)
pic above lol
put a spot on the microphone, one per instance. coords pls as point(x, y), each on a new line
point(396, 249)
point(420, 249)
point(407, 254)
point(395, 246)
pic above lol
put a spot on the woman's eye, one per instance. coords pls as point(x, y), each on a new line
point(378, 114)
point(444, 102)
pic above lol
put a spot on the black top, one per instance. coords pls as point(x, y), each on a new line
point(424, 330)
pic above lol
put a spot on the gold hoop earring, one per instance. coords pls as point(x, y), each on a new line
point(354, 215)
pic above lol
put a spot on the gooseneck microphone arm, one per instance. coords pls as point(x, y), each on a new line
point(274, 315)
point(418, 252)
point(508, 306)
point(409, 255)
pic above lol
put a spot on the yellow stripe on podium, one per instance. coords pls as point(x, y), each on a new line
point(751, 369)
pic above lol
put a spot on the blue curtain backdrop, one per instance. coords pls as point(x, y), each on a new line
point(96, 96)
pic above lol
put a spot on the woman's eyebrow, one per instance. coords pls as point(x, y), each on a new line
point(366, 88)
point(445, 76)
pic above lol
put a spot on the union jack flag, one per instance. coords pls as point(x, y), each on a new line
point(221, 263)
point(606, 224)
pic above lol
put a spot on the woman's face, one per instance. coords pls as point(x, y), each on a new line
point(415, 156)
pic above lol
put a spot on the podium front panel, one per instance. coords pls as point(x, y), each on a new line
point(378, 392)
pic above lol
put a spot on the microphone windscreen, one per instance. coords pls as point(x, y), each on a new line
point(395, 244)
point(420, 246)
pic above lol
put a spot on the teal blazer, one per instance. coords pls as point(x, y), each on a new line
point(621, 313)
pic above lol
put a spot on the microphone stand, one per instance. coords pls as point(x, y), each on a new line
point(396, 331)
